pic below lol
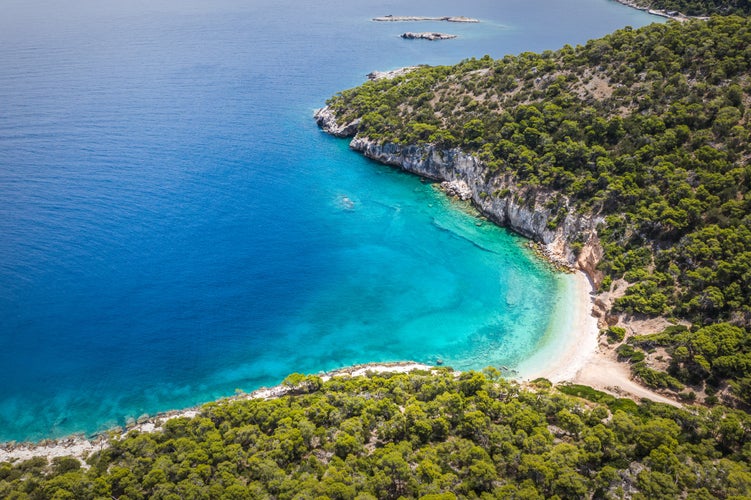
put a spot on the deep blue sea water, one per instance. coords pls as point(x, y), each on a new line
point(173, 225)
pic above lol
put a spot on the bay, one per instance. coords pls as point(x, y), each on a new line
point(173, 226)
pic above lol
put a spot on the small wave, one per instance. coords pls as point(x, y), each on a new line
point(455, 233)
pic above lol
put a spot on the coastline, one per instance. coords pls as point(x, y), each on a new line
point(674, 15)
point(571, 352)
point(571, 339)
point(79, 446)
point(568, 347)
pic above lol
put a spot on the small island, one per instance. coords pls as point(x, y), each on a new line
point(427, 36)
point(450, 19)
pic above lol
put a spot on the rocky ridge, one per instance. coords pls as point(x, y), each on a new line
point(566, 236)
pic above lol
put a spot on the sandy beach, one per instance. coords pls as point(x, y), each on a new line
point(575, 352)
point(570, 353)
point(571, 341)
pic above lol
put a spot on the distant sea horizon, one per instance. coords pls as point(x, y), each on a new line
point(173, 225)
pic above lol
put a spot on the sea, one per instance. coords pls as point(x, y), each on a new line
point(174, 227)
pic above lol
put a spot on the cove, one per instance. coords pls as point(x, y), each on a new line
point(175, 227)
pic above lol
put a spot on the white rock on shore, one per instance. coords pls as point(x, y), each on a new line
point(326, 119)
point(390, 75)
point(457, 188)
point(525, 211)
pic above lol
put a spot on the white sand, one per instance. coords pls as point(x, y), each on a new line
point(572, 351)
point(569, 353)
point(571, 341)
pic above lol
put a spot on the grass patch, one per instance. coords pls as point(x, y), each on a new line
point(590, 394)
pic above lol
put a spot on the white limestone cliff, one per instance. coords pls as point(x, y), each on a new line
point(567, 236)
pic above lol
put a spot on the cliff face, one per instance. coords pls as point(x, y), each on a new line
point(326, 119)
point(528, 211)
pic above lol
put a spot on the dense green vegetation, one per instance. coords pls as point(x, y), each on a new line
point(648, 128)
point(439, 436)
point(700, 357)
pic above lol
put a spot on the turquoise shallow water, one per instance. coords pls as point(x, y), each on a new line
point(174, 226)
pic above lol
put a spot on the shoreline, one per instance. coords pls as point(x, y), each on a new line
point(569, 346)
point(80, 446)
point(570, 352)
point(574, 352)
point(674, 15)
point(571, 339)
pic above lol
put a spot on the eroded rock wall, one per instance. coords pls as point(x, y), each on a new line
point(567, 236)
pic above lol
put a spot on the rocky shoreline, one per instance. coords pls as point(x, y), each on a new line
point(669, 14)
point(561, 235)
point(80, 446)
point(571, 243)
point(389, 75)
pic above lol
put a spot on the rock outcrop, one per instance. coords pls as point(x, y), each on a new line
point(450, 19)
point(428, 35)
point(390, 75)
point(457, 188)
point(326, 119)
point(547, 217)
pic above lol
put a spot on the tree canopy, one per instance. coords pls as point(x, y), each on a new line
point(425, 435)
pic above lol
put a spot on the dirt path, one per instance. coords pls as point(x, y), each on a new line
point(608, 375)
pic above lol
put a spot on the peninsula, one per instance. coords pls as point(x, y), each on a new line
point(450, 19)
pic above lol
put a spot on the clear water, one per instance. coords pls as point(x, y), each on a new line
point(173, 226)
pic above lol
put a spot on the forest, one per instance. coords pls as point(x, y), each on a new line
point(648, 128)
point(436, 435)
